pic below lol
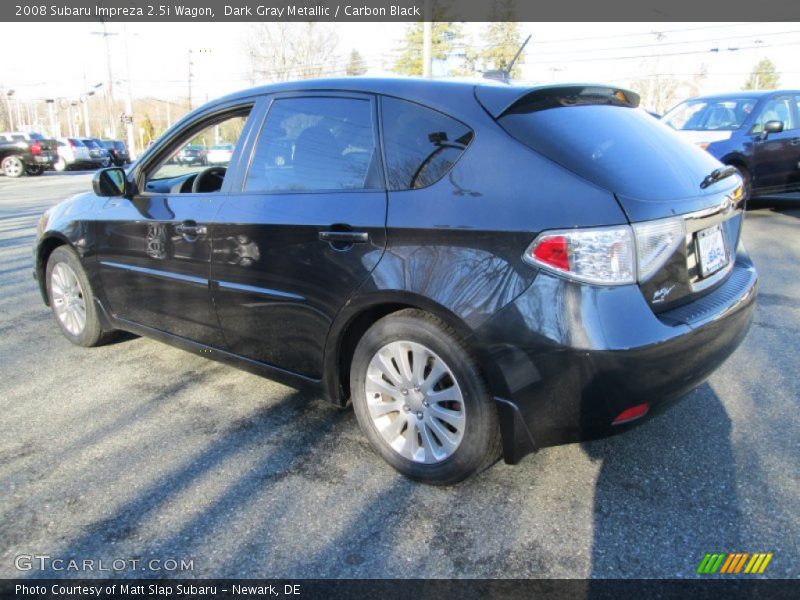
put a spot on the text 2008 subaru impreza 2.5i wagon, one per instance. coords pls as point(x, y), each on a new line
point(478, 268)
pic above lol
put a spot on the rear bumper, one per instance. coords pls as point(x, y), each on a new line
point(45, 159)
point(570, 358)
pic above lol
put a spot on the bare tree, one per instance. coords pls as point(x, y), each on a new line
point(660, 91)
point(283, 51)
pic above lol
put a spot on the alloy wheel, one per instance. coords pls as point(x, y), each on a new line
point(13, 166)
point(415, 402)
point(69, 300)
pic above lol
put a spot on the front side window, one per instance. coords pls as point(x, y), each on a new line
point(776, 109)
point(421, 144)
point(188, 155)
point(315, 143)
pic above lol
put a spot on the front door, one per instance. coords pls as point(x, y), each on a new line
point(776, 157)
point(154, 250)
point(303, 229)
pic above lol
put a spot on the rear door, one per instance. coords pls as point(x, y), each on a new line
point(775, 160)
point(154, 250)
point(301, 230)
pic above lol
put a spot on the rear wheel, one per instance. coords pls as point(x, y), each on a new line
point(420, 399)
point(71, 299)
point(13, 166)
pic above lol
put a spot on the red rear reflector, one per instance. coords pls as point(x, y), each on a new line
point(632, 413)
point(36, 148)
point(553, 251)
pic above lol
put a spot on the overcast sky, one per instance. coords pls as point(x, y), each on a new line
point(598, 52)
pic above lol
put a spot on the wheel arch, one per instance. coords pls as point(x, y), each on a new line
point(360, 314)
point(44, 249)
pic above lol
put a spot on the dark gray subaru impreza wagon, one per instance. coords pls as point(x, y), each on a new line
point(479, 268)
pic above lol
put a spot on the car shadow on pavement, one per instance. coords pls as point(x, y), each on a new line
point(134, 524)
point(673, 480)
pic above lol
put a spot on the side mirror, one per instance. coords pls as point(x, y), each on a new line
point(773, 126)
point(110, 182)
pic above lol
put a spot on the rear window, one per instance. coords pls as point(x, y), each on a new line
point(422, 145)
point(75, 142)
point(36, 136)
point(90, 143)
point(621, 149)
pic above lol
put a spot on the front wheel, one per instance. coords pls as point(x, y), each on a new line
point(747, 181)
point(420, 399)
point(71, 299)
point(13, 166)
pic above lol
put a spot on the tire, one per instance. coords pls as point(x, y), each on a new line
point(747, 180)
point(438, 451)
point(60, 165)
point(13, 166)
point(67, 284)
point(105, 162)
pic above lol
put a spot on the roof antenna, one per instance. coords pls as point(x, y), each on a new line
point(504, 75)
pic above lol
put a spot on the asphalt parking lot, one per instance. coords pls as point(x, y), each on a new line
point(137, 450)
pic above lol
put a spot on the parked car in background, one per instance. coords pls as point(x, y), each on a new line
point(220, 155)
point(757, 132)
point(23, 153)
point(473, 266)
point(72, 153)
point(98, 153)
point(192, 155)
point(118, 151)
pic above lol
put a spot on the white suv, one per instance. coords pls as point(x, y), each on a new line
point(72, 152)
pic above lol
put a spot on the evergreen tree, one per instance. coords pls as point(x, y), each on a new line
point(356, 64)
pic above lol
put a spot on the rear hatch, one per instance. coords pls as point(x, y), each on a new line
point(686, 221)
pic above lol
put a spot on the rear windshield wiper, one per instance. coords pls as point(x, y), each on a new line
point(716, 175)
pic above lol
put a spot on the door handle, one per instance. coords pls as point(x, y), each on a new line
point(344, 237)
point(190, 229)
point(795, 141)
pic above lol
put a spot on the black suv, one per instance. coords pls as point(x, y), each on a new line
point(474, 267)
point(192, 155)
point(118, 151)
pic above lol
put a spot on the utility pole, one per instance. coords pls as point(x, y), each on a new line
point(8, 94)
point(129, 100)
point(54, 133)
point(189, 79)
point(106, 34)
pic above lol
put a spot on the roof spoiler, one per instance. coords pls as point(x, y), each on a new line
point(500, 100)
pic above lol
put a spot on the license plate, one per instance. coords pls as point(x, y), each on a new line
point(711, 247)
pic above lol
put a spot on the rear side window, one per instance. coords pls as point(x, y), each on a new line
point(421, 144)
point(75, 142)
point(315, 143)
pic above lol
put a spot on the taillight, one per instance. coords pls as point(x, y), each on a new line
point(602, 255)
point(631, 414)
point(609, 255)
point(656, 241)
point(36, 148)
